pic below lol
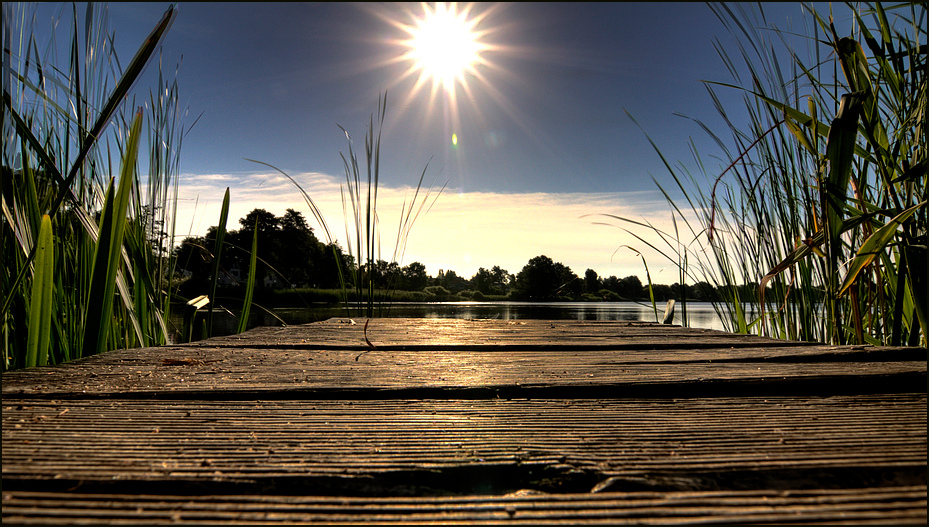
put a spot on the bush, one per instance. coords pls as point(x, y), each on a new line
point(609, 296)
point(437, 291)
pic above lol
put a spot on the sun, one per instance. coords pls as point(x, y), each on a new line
point(444, 45)
point(452, 52)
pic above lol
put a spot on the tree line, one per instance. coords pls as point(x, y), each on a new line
point(290, 256)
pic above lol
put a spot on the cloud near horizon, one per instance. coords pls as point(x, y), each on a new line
point(461, 231)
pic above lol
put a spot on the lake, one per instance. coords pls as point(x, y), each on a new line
point(699, 314)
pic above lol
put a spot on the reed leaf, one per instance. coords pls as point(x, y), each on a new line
point(128, 79)
point(840, 146)
point(917, 258)
point(107, 258)
point(359, 208)
point(250, 283)
point(875, 245)
point(648, 278)
point(217, 254)
point(41, 304)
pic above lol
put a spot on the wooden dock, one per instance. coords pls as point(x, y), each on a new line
point(470, 421)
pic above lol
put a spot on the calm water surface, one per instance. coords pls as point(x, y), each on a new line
point(699, 314)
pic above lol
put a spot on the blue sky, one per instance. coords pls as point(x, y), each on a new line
point(543, 139)
point(274, 80)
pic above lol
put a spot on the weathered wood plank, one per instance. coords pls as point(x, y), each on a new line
point(441, 353)
point(500, 445)
point(410, 333)
point(173, 372)
point(894, 505)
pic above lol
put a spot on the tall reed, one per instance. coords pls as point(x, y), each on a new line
point(823, 206)
point(362, 222)
point(359, 207)
point(63, 126)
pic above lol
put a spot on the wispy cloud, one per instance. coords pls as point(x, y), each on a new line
point(463, 230)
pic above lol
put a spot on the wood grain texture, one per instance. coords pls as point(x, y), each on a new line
point(457, 421)
point(432, 355)
point(107, 441)
point(892, 505)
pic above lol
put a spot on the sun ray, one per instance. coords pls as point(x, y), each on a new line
point(444, 49)
point(455, 82)
point(444, 45)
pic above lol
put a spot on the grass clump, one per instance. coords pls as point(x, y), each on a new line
point(823, 206)
point(83, 241)
point(361, 268)
point(362, 223)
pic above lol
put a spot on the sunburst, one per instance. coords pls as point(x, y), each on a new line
point(444, 46)
point(445, 49)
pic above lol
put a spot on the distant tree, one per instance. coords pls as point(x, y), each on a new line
point(192, 259)
point(502, 280)
point(750, 290)
point(286, 244)
point(608, 296)
point(450, 280)
point(439, 292)
point(630, 288)
point(662, 292)
point(332, 259)
point(415, 277)
point(544, 279)
point(611, 284)
point(388, 275)
point(266, 222)
point(293, 221)
point(591, 281)
point(703, 292)
point(571, 284)
point(240, 242)
point(482, 281)
point(298, 253)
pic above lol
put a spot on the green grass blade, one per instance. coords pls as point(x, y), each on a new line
point(250, 283)
point(128, 79)
point(109, 249)
point(26, 134)
point(40, 306)
point(648, 278)
point(840, 148)
point(874, 245)
point(217, 253)
point(918, 284)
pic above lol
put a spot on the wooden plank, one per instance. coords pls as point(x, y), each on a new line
point(433, 356)
point(893, 505)
point(189, 372)
point(497, 445)
point(410, 333)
